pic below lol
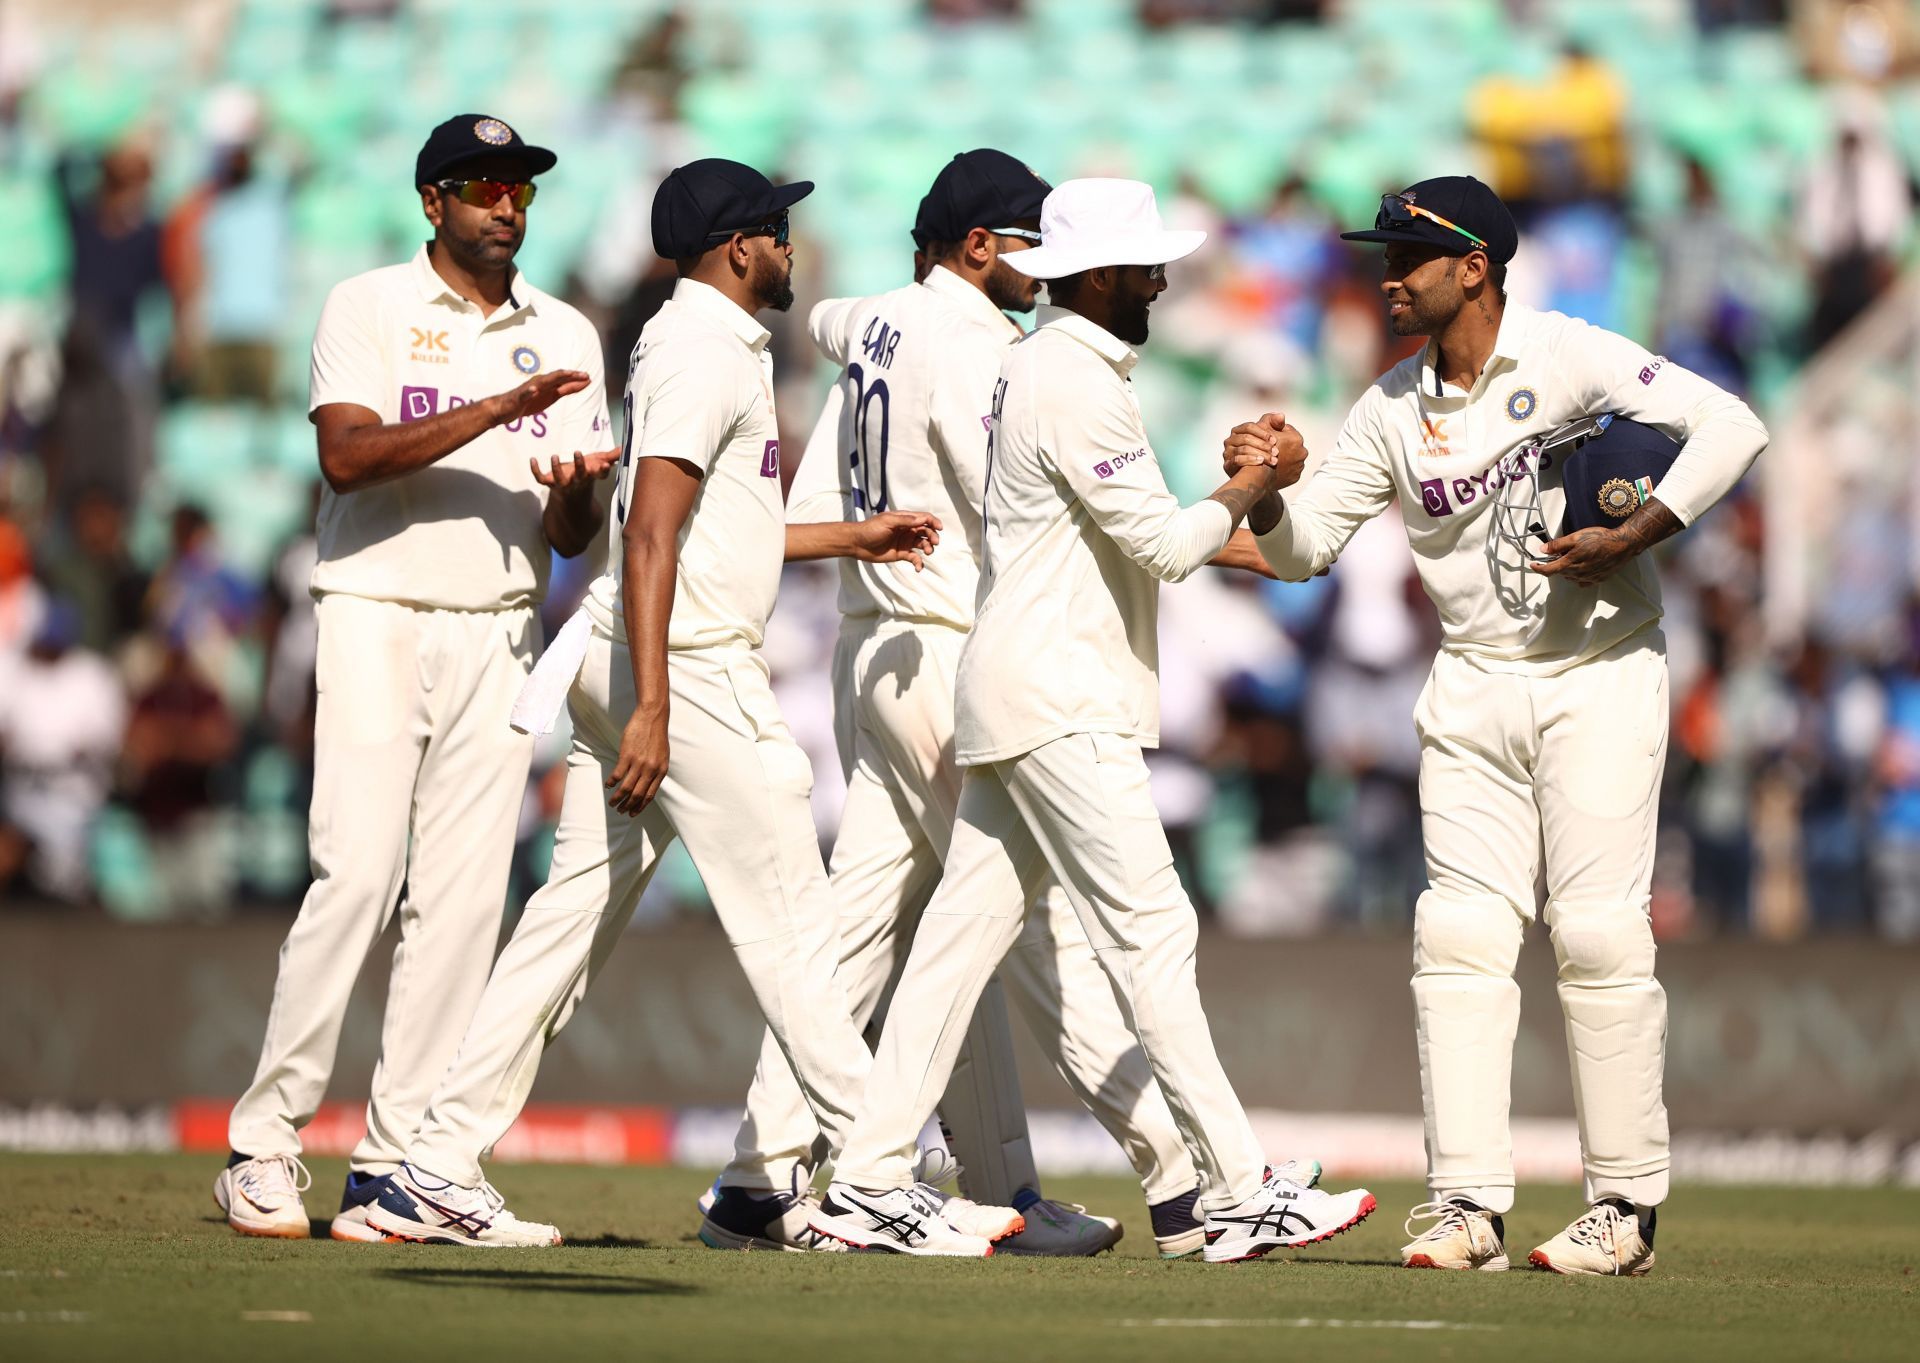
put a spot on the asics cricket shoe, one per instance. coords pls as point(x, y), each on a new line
point(414, 1205)
point(1464, 1235)
point(350, 1222)
point(1177, 1228)
point(896, 1221)
point(706, 1200)
point(1608, 1241)
point(1060, 1230)
point(1282, 1213)
point(741, 1219)
point(262, 1196)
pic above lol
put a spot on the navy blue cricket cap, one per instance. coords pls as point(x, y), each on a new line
point(468, 137)
point(1463, 201)
point(1608, 477)
point(706, 197)
point(979, 188)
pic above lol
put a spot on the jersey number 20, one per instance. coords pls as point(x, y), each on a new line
point(869, 458)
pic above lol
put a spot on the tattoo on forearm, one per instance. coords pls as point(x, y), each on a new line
point(1266, 513)
point(1237, 498)
point(1649, 525)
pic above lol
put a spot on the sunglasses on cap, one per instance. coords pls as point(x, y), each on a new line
point(1396, 210)
point(1023, 233)
point(777, 229)
point(487, 193)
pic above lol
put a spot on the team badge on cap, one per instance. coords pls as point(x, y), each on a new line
point(526, 359)
point(1520, 404)
point(1619, 498)
point(493, 132)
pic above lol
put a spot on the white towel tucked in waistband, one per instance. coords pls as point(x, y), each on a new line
point(545, 690)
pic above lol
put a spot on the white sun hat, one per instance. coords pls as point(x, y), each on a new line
point(1087, 223)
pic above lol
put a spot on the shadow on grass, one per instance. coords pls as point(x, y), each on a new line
point(534, 1280)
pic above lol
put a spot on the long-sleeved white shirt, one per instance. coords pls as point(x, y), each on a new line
point(1446, 454)
point(1080, 531)
point(918, 366)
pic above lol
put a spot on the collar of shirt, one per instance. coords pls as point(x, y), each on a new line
point(1516, 319)
point(1096, 338)
point(710, 302)
point(436, 290)
point(966, 297)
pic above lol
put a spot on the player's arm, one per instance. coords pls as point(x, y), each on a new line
point(1301, 533)
point(1131, 503)
point(663, 493)
point(889, 537)
point(1720, 438)
point(959, 403)
point(827, 327)
point(1243, 552)
point(680, 429)
point(572, 515)
point(358, 450)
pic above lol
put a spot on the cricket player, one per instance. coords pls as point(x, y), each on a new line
point(461, 415)
point(676, 733)
point(1057, 693)
point(918, 368)
point(1543, 727)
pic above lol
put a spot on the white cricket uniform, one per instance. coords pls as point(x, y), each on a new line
point(737, 785)
point(1057, 695)
point(1543, 730)
point(426, 587)
point(906, 428)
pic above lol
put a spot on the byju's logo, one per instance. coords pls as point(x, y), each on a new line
point(1106, 468)
point(1433, 497)
point(770, 460)
point(1103, 469)
point(418, 403)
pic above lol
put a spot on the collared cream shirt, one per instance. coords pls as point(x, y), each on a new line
point(1445, 454)
point(464, 533)
point(1080, 531)
point(701, 391)
point(918, 366)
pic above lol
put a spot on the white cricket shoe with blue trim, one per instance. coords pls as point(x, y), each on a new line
point(898, 1221)
point(416, 1206)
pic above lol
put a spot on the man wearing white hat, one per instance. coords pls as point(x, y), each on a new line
point(1058, 693)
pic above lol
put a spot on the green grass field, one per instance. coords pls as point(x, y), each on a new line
point(127, 1257)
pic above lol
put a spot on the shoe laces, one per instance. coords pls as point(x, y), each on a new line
point(1304, 1173)
point(1600, 1227)
point(1054, 1212)
point(1446, 1217)
point(276, 1174)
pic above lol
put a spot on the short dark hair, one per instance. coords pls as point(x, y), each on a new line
point(1497, 272)
point(938, 251)
point(1063, 289)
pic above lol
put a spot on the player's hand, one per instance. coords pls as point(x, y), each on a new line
point(1270, 441)
point(641, 766)
point(537, 394)
point(575, 477)
point(1587, 557)
point(897, 537)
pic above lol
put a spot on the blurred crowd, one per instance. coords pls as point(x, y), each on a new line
point(157, 474)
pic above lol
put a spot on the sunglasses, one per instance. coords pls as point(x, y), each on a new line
point(1396, 210)
point(487, 193)
point(778, 229)
point(1020, 232)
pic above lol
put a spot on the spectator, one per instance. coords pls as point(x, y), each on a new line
point(180, 736)
point(91, 567)
point(1854, 216)
point(227, 262)
point(1706, 317)
point(61, 717)
point(199, 601)
point(22, 602)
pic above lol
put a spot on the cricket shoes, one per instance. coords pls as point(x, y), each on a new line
point(1463, 1235)
point(1061, 1230)
point(350, 1222)
point(898, 1221)
point(262, 1196)
point(1608, 1241)
point(736, 1218)
point(1281, 1214)
point(1177, 1228)
point(976, 1218)
point(414, 1205)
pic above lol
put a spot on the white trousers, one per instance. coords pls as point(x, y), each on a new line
point(1515, 769)
point(736, 792)
point(410, 744)
point(1077, 807)
point(893, 721)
